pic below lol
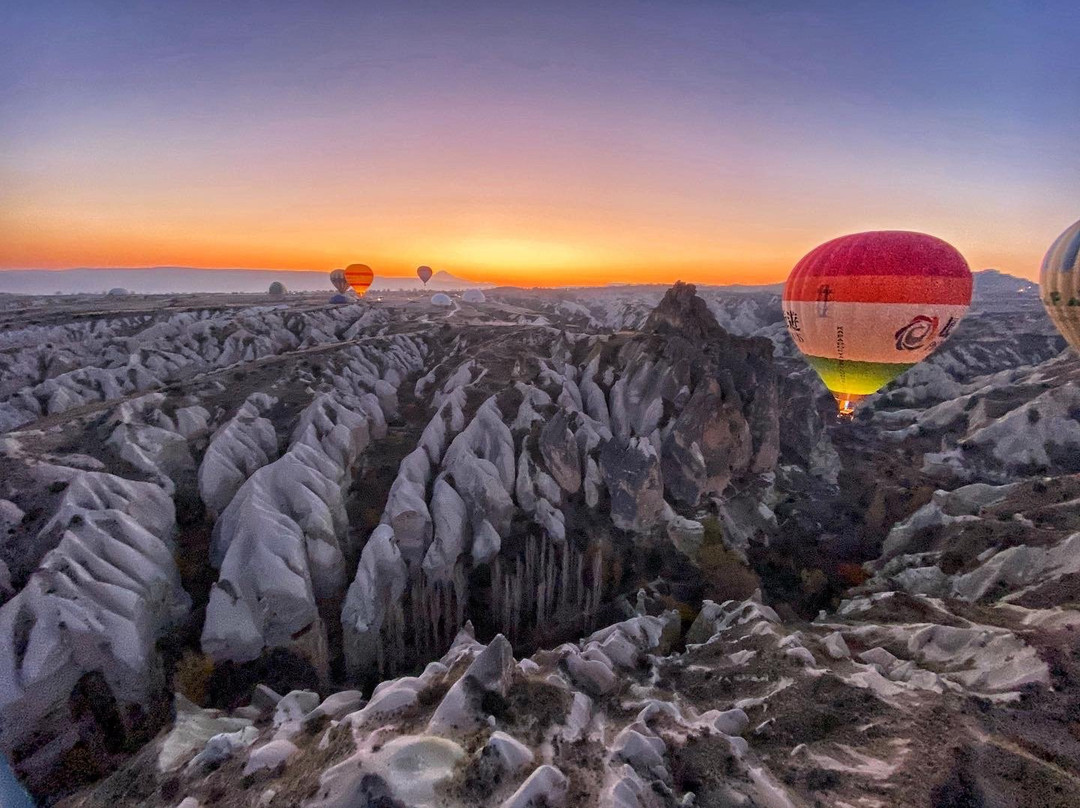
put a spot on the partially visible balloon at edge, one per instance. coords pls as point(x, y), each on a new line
point(424, 273)
point(1059, 284)
point(866, 307)
point(337, 278)
point(359, 277)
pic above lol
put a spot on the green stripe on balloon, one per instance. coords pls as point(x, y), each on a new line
point(858, 378)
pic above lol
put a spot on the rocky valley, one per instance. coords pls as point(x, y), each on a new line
point(535, 548)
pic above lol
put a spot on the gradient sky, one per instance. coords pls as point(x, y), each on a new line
point(542, 143)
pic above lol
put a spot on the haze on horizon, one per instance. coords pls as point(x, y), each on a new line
point(576, 143)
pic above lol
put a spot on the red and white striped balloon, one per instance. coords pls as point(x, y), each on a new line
point(866, 307)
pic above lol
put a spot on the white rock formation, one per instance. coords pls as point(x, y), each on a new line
point(242, 446)
point(280, 543)
point(97, 603)
point(193, 730)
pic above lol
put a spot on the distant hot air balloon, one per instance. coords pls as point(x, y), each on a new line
point(359, 277)
point(866, 307)
point(337, 278)
point(1059, 284)
point(277, 289)
point(424, 273)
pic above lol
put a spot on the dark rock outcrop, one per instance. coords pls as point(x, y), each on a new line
point(721, 393)
point(632, 475)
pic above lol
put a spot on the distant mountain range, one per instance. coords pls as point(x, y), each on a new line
point(176, 280)
point(990, 286)
point(995, 282)
point(996, 291)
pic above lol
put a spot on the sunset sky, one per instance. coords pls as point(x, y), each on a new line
point(533, 143)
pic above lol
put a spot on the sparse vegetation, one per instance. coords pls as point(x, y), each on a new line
point(534, 705)
point(852, 574)
point(192, 676)
point(726, 575)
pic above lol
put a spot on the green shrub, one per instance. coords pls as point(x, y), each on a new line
point(192, 676)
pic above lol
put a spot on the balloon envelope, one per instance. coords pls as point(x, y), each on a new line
point(424, 273)
point(866, 307)
point(1059, 284)
point(359, 277)
point(337, 278)
point(277, 288)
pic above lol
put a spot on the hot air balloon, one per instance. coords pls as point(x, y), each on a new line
point(866, 307)
point(277, 289)
point(424, 273)
point(337, 278)
point(1059, 284)
point(359, 277)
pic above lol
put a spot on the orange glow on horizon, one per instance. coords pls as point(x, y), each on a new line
point(579, 254)
point(499, 216)
point(589, 257)
point(495, 216)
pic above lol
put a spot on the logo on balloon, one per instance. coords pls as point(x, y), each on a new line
point(823, 293)
point(793, 325)
point(917, 333)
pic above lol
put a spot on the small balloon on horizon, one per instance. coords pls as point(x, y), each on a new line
point(359, 277)
point(337, 278)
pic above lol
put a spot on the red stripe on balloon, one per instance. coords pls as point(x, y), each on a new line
point(825, 289)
